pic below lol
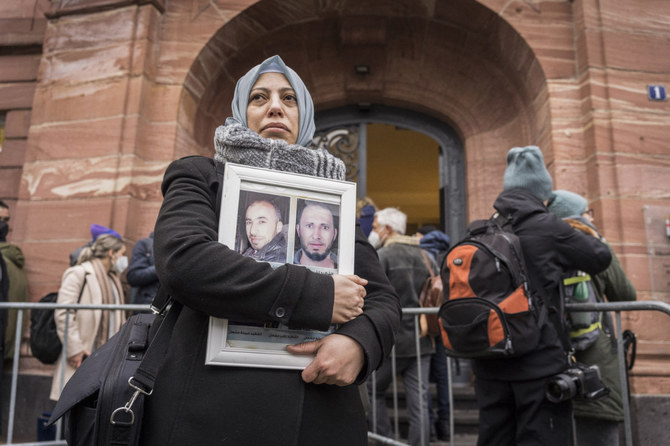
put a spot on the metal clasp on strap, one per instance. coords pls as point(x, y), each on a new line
point(128, 406)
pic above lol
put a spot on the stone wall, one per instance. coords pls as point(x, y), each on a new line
point(22, 28)
point(111, 91)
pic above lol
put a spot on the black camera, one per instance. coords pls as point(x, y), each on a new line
point(578, 381)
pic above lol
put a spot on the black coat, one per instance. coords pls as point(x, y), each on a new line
point(142, 272)
point(550, 248)
point(209, 405)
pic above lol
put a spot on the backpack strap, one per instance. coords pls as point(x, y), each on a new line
point(546, 313)
point(428, 265)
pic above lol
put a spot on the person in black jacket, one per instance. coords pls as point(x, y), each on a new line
point(194, 403)
point(142, 272)
point(404, 264)
point(511, 391)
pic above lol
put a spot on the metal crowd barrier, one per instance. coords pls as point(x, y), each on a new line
point(616, 307)
point(20, 307)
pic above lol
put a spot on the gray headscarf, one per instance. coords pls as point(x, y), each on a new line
point(274, 64)
point(234, 142)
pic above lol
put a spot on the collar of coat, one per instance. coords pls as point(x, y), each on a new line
point(403, 239)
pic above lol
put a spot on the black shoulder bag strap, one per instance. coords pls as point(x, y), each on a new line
point(81, 291)
point(145, 376)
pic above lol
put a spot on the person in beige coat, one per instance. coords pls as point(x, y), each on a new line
point(96, 276)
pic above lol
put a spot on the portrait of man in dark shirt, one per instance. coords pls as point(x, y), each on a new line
point(265, 230)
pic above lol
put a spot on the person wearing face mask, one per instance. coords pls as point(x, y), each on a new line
point(406, 268)
point(272, 127)
point(93, 280)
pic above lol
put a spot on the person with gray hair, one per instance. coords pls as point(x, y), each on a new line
point(513, 408)
point(404, 265)
point(389, 221)
point(597, 421)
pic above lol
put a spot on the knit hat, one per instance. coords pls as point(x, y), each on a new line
point(566, 204)
point(525, 170)
point(98, 230)
point(366, 218)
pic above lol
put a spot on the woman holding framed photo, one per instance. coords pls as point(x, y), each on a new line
point(192, 403)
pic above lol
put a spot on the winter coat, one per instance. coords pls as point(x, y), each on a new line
point(142, 272)
point(613, 284)
point(83, 324)
point(550, 246)
point(206, 405)
point(18, 290)
point(406, 269)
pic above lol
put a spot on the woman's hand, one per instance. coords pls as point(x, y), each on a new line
point(338, 360)
point(76, 360)
point(349, 297)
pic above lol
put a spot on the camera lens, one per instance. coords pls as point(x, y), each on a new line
point(561, 388)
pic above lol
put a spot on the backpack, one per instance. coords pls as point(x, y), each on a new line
point(431, 297)
point(44, 341)
point(583, 327)
point(489, 310)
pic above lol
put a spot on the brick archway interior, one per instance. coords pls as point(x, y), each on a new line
point(458, 62)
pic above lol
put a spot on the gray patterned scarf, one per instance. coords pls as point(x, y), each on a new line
point(237, 144)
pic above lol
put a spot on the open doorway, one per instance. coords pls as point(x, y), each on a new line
point(400, 158)
point(403, 172)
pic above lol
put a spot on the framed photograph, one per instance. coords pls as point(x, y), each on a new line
point(279, 218)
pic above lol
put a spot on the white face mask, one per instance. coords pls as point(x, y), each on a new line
point(374, 240)
point(121, 264)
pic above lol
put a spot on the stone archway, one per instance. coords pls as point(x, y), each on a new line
point(457, 62)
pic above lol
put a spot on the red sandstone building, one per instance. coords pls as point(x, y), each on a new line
point(98, 96)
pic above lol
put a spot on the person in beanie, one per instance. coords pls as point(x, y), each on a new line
point(96, 231)
point(513, 409)
point(597, 421)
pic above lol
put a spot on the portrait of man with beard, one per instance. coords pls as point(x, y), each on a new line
point(316, 228)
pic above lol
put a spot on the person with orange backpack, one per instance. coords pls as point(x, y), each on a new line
point(403, 262)
point(511, 390)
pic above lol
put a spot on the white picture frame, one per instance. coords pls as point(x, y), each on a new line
point(264, 344)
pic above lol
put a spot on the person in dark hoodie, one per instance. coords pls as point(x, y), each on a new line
point(510, 392)
point(597, 421)
point(142, 272)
